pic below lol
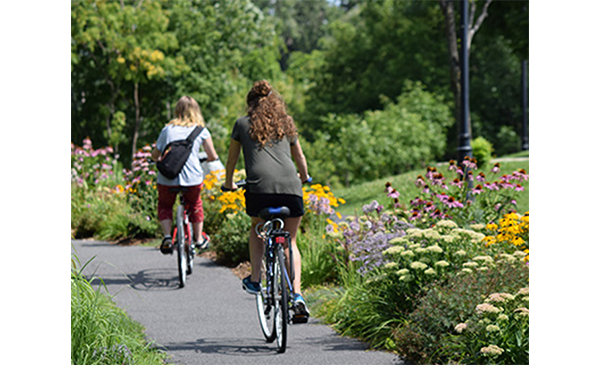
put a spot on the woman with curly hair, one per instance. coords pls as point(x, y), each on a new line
point(269, 140)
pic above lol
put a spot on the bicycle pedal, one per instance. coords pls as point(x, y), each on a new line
point(298, 319)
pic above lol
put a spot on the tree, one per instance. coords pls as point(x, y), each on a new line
point(447, 8)
point(120, 48)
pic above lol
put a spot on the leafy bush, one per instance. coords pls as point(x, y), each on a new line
point(380, 143)
point(482, 151)
point(497, 333)
point(426, 335)
point(230, 243)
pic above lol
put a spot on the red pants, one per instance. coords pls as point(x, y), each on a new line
point(193, 202)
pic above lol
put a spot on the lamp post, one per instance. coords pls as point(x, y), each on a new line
point(525, 108)
point(464, 131)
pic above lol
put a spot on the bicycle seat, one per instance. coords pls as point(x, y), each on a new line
point(178, 189)
point(274, 212)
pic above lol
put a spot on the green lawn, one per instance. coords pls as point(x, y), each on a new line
point(357, 196)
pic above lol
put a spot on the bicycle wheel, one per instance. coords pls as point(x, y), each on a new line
point(181, 254)
point(281, 296)
point(189, 232)
point(265, 302)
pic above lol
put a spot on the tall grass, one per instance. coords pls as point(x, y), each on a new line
point(101, 333)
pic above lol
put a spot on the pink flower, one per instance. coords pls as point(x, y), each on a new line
point(496, 168)
point(477, 190)
point(518, 187)
point(480, 177)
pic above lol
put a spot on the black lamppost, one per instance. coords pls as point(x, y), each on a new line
point(464, 131)
point(525, 108)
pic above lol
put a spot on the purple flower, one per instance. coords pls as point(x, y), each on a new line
point(480, 177)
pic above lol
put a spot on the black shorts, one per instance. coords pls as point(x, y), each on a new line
point(256, 202)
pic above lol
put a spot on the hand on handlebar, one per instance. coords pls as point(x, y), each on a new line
point(234, 186)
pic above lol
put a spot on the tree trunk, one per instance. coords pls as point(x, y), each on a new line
point(136, 129)
point(447, 7)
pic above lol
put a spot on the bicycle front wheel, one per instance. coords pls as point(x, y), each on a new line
point(265, 301)
point(181, 254)
point(282, 300)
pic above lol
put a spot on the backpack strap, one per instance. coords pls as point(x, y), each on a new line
point(194, 134)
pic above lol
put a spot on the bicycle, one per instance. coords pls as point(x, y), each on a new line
point(276, 297)
point(183, 235)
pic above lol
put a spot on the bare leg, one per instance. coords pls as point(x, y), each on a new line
point(257, 250)
point(197, 227)
point(166, 227)
point(292, 225)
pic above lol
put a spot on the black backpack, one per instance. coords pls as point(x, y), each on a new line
point(176, 154)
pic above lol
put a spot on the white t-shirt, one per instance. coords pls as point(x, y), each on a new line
point(192, 173)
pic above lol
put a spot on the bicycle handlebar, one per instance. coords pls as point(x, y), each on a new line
point(242, 184)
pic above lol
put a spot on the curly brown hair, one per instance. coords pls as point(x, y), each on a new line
point(269, 120)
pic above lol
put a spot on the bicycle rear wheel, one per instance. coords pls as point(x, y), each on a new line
point(265, 301)
point(188, 246)
point(282, 300)
point(181, 254)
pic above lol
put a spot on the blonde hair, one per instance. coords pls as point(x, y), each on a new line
point(187, 113)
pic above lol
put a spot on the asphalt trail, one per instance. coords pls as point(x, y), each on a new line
point(212, 320)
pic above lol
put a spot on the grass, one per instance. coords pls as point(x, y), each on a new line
point(359, 195)
point(102, 333)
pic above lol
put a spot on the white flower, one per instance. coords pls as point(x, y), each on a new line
point(393, 250)
point(397, 241)
point(483, 258)
point(491, 350)
point(414, 232)
point(402, 271)
point(442, 263)
point(492, 328)
point(470, 264)
point(477, 226)
point(421, 250)
point(418, 265)
point(406, 278)
point(407, 253)
point(523, 291)
point(431, 234)
point(487, 308)
point(391, 265)
point(430, 271)
point(460, 327)
point(460, 253)
point(435, 249)
point(446, 224)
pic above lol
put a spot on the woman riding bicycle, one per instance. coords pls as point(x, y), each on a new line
point(187, 117)
point(269, 139)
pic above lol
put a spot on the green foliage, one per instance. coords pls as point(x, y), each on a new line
point(402, 136)
point(482, 151)
point(230, 243)
point(103, 334)
point(447, 303)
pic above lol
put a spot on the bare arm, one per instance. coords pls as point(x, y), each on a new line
point(155, 154)
point(234, 154)
point(209, 148)
point(300, 160)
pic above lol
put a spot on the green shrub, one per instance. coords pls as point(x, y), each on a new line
point(423, 338)
point(230, 243)
point(482, 151)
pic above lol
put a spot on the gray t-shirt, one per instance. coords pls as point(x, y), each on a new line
point(192, 173)
point(270, 169)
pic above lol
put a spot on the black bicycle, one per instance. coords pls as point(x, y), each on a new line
point(276, 297)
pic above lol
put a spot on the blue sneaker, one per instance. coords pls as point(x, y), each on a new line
point(300, 308)
point(250, 287)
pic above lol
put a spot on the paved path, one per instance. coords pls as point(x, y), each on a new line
point(220, 325)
